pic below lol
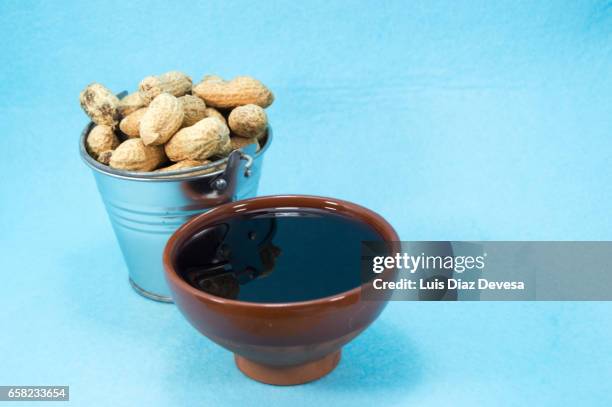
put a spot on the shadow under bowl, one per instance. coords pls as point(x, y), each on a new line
point(277, 343)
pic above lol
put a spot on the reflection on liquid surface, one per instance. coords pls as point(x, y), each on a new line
point(276, 256)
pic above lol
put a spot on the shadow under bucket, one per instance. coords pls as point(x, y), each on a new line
point(145, 208)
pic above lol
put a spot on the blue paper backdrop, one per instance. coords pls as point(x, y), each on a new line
point(454, 120)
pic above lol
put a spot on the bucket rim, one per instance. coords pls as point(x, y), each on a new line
point(177, 175)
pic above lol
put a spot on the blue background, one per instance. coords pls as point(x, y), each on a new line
point(471, 120)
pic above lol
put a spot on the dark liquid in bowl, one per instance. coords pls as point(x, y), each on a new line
point(275, 256)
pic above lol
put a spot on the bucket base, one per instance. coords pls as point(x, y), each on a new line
point(288, 375)
point(150, 295)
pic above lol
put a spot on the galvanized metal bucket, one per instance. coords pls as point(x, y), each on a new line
point(146, 208)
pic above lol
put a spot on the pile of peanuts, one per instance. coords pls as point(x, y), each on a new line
point(169, 124)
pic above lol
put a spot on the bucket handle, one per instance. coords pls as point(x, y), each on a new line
point(227, 180)
point(248, 165)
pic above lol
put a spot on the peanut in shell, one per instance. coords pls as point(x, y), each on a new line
point(100, 104)
point(163, 118)
point(134, 155)
point(242, 90)
point(198, 142)
point(101, 138)
point(194, 109)
point(130, 104)
point(130, 124)
point(248, 121)
point(173, 82)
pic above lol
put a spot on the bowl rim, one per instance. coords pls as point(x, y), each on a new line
point(366, 215)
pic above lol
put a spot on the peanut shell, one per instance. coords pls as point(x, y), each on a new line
point(173, 82)
point(242, 90)
point(101, 138)
point(130, 103)
point(184, 164)
point(100, 104)
point(194, 108)
point(163, 118)
point(240, 142)
point(130, 124)
point(105, 156)
point(248, 121)
point(225, 144)
point(134, 155)
point(212, 78)
point(212, 112)
point(197, 142)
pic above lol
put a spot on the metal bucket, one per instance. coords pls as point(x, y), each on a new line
point(145, 208)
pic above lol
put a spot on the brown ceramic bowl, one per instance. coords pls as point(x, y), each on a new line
point(277, 343)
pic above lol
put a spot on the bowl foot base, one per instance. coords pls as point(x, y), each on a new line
point(288, 375)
